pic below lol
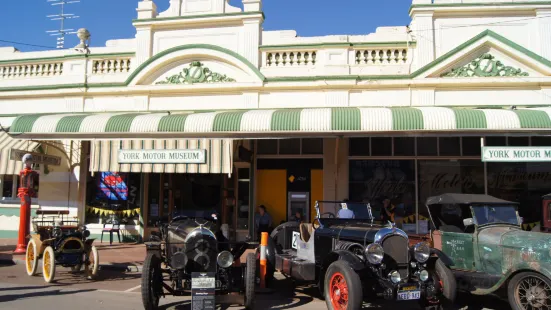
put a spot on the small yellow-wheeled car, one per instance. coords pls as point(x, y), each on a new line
point(60, 241)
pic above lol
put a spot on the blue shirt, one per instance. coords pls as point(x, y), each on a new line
point(345, 214)
point(263, 220)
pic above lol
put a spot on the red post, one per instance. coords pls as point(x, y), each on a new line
point(25, 192)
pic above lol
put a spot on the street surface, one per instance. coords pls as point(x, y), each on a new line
point(121, 290)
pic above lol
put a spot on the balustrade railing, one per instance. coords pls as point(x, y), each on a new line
point(378, 56)
point(290, 58)
point(111, 66)
point(31, 70)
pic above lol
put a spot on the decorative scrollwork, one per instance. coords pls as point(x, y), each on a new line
point(196, 73)
point(485, 66)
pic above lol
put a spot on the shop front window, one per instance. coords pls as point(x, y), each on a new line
point(243, 198)
point(524, 183)
point(113, 196)
point(437, 177)
point(374, 180)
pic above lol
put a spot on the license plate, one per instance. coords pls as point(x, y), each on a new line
point(202, 283)
point(411, 295)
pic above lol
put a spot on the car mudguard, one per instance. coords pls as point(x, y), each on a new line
point(271, 251)
point(443, 257)
point(355, 263)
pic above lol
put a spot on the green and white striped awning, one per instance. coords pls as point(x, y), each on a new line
point(278, 122)
point(8, 166)
point(219, 156)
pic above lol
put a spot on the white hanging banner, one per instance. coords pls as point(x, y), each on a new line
point(162, 156)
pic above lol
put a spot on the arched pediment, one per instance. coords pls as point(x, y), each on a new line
point(196, 64)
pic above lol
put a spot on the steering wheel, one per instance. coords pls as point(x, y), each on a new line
point(331, 215)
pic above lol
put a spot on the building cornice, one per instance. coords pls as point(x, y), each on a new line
point(478, 5)
point(152, 21)
point(336, 45)
point(66, 57)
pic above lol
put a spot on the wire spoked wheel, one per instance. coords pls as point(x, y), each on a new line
point(339, 291)
point(530, 291)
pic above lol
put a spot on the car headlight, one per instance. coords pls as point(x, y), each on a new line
point(421, 252)
point(86, 233)
point(395, 277)
point(57, 232)
point(424, 275)
point(374, 253)
point(224, 259)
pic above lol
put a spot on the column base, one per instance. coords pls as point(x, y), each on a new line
point(20, 249)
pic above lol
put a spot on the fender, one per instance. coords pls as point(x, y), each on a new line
point(355, 263)
point(89, 242)
point(443, 257)
point(271, 251)
point(542, 268)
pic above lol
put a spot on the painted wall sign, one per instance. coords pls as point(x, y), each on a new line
point(38, 158)
point(516, 154)
point(162, 156)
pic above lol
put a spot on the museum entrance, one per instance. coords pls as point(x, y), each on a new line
point(170, 194)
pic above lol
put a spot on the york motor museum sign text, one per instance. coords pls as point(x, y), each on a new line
point(516, 154)
point(162, 156)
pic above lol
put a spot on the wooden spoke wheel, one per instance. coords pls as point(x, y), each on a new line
point(92, 263)
point(31, 258)
point(48, 265)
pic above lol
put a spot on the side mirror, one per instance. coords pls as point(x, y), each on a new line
point(468, 222)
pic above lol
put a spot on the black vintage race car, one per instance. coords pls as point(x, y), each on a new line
point(190, 254)
point(353, 260)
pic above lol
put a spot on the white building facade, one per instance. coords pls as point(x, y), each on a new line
point(401, 112)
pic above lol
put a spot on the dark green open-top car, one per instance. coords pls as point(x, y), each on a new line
point(490, 252)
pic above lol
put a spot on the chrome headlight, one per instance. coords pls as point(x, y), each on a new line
point(421, 252)
point(86, 233)
point(424, 275)
point(225, 259)
point(395, 277)
point(374, 253)
point(57, 232)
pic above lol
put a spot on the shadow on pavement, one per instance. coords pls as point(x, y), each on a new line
point(6, 298)
point(21, 288)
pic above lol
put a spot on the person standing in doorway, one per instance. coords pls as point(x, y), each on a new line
point(388, 211)
point(262, 221)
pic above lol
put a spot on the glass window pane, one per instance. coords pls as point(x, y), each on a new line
point(312, 146)
point(243, 200)
point(381, 146)
point(471, 146)
point(373, 180)
point(496, 141)
point(359, 147)
point(266, 147)
point(289, 147)
point(519, 141)
point(541, 141)
point(7, 186)
point(450, 146)
point(404, 146)
point(154, 204)
point(427, 146)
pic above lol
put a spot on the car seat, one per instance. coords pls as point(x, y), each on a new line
point(305, 231)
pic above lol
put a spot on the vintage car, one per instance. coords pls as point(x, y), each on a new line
point(60, 241)
point(191, 253)
point(351, 259)
point(490, 252)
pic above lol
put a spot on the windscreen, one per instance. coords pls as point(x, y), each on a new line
point(496, 214)
point(345, 210)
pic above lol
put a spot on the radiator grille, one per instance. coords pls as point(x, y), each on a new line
point(397, 254)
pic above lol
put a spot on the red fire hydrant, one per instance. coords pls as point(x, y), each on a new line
point(25, 193)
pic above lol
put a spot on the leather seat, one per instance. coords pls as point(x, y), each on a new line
point(305, 231)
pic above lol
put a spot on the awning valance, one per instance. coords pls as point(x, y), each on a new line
point(8, 166)
point(219, 156)
point(278, 122)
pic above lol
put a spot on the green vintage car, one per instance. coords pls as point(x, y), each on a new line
point(489, 252)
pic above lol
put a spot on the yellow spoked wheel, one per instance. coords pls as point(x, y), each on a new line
point(92, 264)
point(31, 258)
point(48, 265)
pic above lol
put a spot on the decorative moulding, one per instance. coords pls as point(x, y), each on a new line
point(485, 66)
point(195, 74)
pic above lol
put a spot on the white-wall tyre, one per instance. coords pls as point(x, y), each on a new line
point(31, 258)
point(48, 265)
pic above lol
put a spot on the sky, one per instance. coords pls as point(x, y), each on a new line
point(25, 21)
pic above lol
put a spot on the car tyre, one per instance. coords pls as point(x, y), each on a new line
point(93, 263)
point(48, 265)
point(151, 282)
point(528, 281)
point(31, 258)
point(250, 281)
point(343, 287)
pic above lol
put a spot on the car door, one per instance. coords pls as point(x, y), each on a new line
point(459, 247)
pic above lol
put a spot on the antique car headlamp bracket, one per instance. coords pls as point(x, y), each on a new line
point(225, 259)
point(421, 252)
point(374, 253)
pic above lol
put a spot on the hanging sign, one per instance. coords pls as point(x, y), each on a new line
point(516, 154)
point(162, 156)
point(38, 158)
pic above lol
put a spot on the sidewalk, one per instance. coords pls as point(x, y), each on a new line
point(119, 256)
